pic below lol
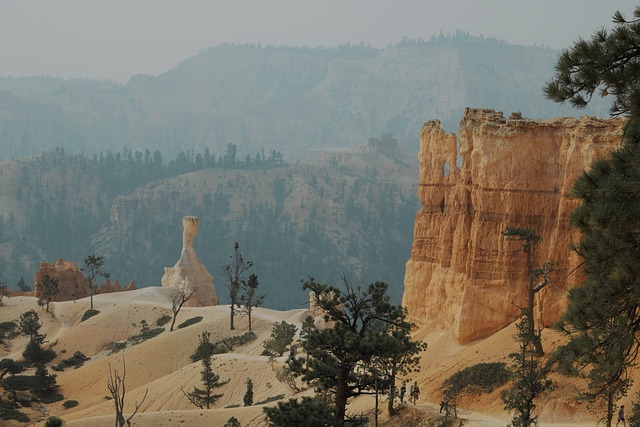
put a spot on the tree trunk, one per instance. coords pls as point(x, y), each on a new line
point(392, 392)
point(231, 318)
point(341, 396)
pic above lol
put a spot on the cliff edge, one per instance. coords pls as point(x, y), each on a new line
point(463, 275)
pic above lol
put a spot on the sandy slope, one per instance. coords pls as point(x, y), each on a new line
point(162, 365)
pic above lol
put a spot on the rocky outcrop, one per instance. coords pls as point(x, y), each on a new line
point(463, 274)
point(189, 273)
point(72, 283)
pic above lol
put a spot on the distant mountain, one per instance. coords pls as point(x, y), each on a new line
point(349, 213)
point(296, 100)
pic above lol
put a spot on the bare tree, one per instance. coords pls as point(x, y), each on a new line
point(116, 385)
point(178, 296)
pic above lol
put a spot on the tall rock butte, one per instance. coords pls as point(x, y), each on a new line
point(463, 275)
point(189, 273)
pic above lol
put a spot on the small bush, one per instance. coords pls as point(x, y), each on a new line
point(163, 320)
point(34, 353)
point(54, 422)
point(89, 314)
point(11, 366)
point(480, 378)
point(145, 335)
point(50, 397)
point(8, 329)
point(10, 413)
point(271, 399)
point(115, 347)
point(70, 404)
point(76, 360)
point(20, 382)
point(232, 422)
point(189, 322)
point(223, 346)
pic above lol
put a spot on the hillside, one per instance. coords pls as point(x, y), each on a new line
point(350, 213)
point(162, 366)
point(295, 100)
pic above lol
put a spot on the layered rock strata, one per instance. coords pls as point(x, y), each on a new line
point(189, 274)
point(463, 274)
point(72, 284)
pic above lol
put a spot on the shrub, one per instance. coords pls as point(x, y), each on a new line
point(115, 347)
point(76, 360)
point(282, 335)
point(163, 320)
point(145, 335)
point(89, 313)
point(70, 404)
point(271, 399)
point(223, 346)
point(19, 382)
point(53, 422)
point(8, 329)
point(10, 366)
point(232, 422)
point(308, 411)
point(189, 322)
point(34, 353)
point(50, 397)
point(480, 378)
point(10, 413)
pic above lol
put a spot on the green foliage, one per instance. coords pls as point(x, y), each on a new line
point(50, 397)
point(248, 395)
point(89, 314)
point(362, 335)
point(232, 422)
point(48, 288)
point(8, 329)
point(53, 421)
point(9, 366)
point(29, 326)
point(20, 382)
point(190, 322)
point(163, 320)
point(603, 314)
point(22, 285)
point(46, 382)
point(282, 335)
point(205, 397)
point(479, 378)
point(34, 353)
point(8, 412)
point(70, 404)
point(76, 360)
point(115, 347)
point(529, 379)
point(223, 346)
point(271, 399)
point(145, 335)
point(235, 279)
point(308, 412)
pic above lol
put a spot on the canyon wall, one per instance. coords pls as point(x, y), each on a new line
point(500, 171)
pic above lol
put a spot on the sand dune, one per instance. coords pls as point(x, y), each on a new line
point(162, 366)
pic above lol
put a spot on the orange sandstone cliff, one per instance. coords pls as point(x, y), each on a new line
point(463, 275)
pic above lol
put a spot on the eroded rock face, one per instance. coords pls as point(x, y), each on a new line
point(72, 283)
point(189, 273)
point(463, 274)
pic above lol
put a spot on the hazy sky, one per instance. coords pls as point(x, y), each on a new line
point(115, 39)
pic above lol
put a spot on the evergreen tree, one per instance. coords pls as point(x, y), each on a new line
point(29, 326)
point(204, 397)
point(47, 290)
point(235, 272)
point(529, 379)
point(22, 285)
point(360, 334)
point(282, 335)
point(308, 412)
point(248, 395)
point(537, 278)
point(94, 266)
point(603, 316)
point(248, 298)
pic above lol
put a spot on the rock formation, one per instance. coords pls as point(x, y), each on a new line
point(463, 274)
point(189, 273)
point(72, 283)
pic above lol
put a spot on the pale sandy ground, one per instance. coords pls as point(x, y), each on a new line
point(162, 366)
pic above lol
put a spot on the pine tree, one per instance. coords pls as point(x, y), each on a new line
point(603, 316)
point(529, 379)
point(204, 397)
point(235, 272)
point(248, 395)
point(362, 321)
point(47, 290)
point(94, 266)
point(248, 298)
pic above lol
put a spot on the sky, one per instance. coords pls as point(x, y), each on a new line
point(117, 39)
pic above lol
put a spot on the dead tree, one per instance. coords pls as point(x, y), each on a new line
point(118, 390)
point(178, 296)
